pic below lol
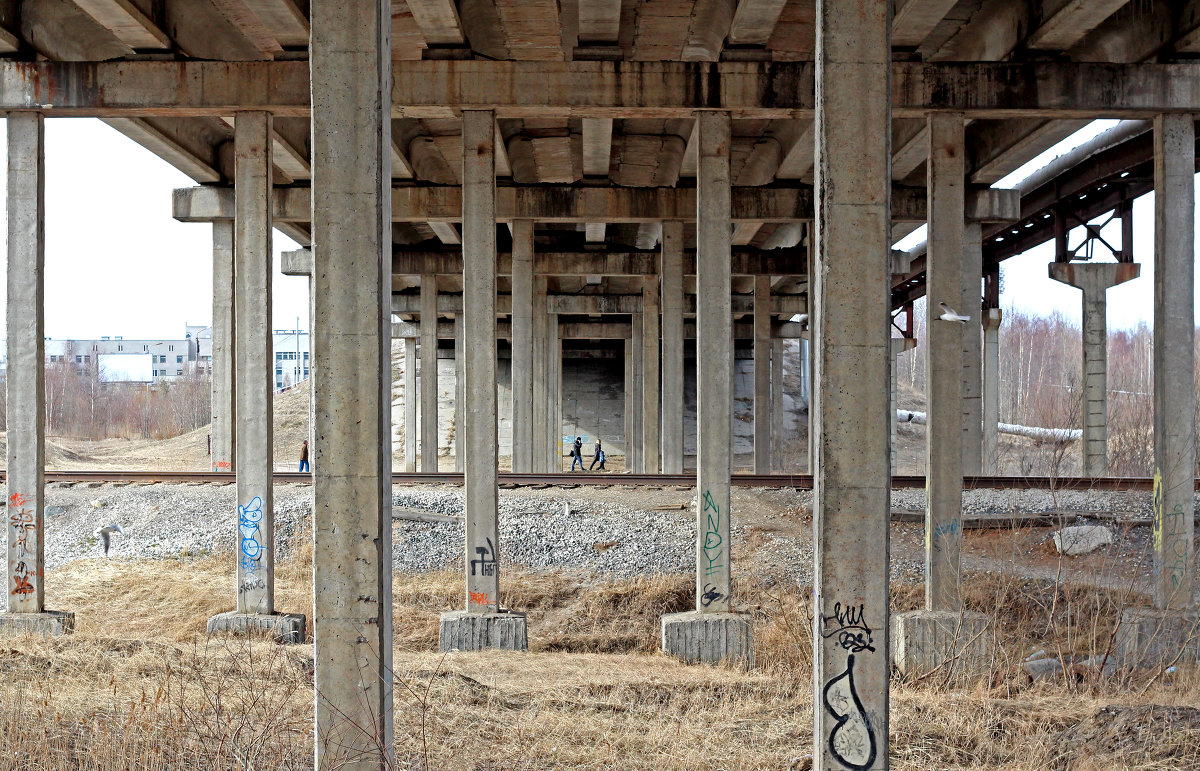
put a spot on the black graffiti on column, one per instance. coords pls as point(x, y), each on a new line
point(486, 561)
point(710, 595)
point(849, 626)
point(852, 741)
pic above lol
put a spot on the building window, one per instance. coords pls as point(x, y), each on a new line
point(170, 347)
point(179, 359)
point(120, 348)
point(79, 360)
point(155, 373)
point(87, 358)
point(306, 355)
point(178, 372)
point(145, 347)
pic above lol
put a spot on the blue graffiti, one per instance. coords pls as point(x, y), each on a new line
point(248, 518)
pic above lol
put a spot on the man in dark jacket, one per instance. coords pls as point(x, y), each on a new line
point(598, 457)
point(577, 453)
point(304, 457)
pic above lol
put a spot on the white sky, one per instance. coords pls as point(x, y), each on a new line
point(116, 261)
point(118, 264)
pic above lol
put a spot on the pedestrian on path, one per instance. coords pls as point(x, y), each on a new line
point(304, 457)
point(577, 453)
point(598, 457)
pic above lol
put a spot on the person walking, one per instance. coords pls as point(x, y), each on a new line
point(304, 457)
point(598, 457)
point(577, 453)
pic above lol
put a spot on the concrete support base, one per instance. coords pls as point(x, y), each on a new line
point(957, 642)
point(50, 623)
point(283, 627)
point(463, 631)
point(708, 638)
point(1148, 637)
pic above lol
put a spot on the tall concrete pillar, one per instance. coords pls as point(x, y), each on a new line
point(711, 632)
point(1167, 633)
point(809, 353)
point(350, 61)
point(672, 347)
point(991, 390)
point(849, 403)
point(429, 375)
point(777, 411)
point(481, 625)
point(944, 363)
point(651, 395)
point(943, 635)
point(634, 457)
point(223, 372)
point(1094, 279)
point(541, 372)
point(1174, 360)
point(972, 350)
point(255, 358)
point(25, 581)
point(460, 391)
point(522, 347)
point(554, 411)
point(410, 404)
point(762, 375)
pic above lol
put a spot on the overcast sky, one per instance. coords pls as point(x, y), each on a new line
point(118, 264)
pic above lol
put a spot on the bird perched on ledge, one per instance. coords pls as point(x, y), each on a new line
point(949, 314)
point(105, 535)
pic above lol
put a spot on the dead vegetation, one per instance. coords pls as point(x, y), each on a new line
point(138, 686)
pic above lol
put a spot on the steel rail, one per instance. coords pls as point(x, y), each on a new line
point(795, 481)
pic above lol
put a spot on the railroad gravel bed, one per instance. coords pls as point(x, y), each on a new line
point(611, 533)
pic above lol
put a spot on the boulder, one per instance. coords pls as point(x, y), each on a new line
point(1078, 540)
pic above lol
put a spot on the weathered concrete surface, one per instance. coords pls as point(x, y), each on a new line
point(651, 384)
point(672, 348)
point(255, 364)
point(851, 356)
point(25, 578)
point(957, 644)
point(1174, 359)
point(352, 460)
point(410, 405)
point(47, 623)
point(972, 349)
point(762, 376)
point(222, 372)
point(1094, 280)
point(944, 364)
point(522, 347)
point(429, 375)
point(460, 630)
point(282, 627)
point(1147, 637)
point(991, 390)
point(697, 637)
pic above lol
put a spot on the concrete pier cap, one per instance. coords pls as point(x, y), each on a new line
point(953, 646)
point(461, 630)
point(697, 637)
point(48, 623)
point(288, 628)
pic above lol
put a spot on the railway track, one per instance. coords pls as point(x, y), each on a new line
point(796, 481)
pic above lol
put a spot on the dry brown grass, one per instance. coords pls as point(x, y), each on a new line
point(138, 686)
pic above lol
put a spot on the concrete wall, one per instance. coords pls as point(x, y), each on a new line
point(593, 403)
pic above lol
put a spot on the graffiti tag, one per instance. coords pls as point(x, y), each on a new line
point(852, 742)
point(713, 544)
point(486, 561)
point(248, 518)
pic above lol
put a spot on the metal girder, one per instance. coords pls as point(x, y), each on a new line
point(442, 88)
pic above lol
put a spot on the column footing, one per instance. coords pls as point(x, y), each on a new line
point(287, 628)
point(48, 623)
point(472, 632)
point(1147, 637)
point(956, 643)
point(709, 638)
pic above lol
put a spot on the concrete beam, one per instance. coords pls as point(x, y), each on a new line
point(298, 262)
point(439, 22)
point(593, 304)
point(601, 330)
point(552, 204)
point(193, 156)
point(526, 89)
point(592, 262)
point(754, 21)
point(915, 19)
point(1066, 22)
point(126, 22)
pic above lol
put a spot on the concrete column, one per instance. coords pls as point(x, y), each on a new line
point(972, 350)
point(762, 375)
point(651, 396)
point(522, 347)
point(1094, 281)
point(672, 347)
point(810, 358)
point(711, 632)
point(541, 386)
point(25, 581)
point(481, 625)
point(1174, 358)
point(410, 405)
point(627, 372)
point(222, 376)
point(851, 360)
point(635, 458)
point(944, 364)
point(255, 359)
point(429, 375)
point(555, 382)
point(352, 493)
point(460, 391)
point(777, 412)
point(991, 390)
